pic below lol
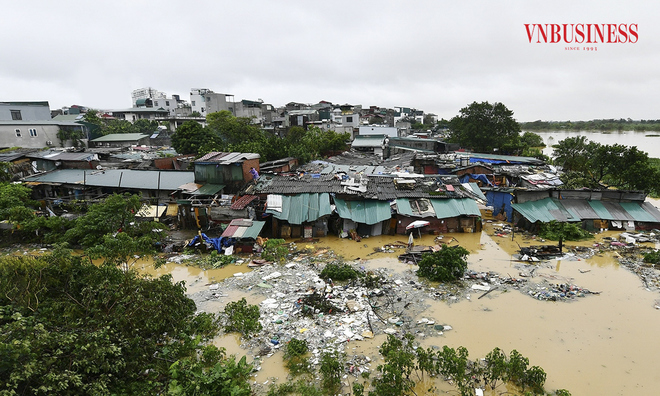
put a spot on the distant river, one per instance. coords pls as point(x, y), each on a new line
point(645, 141)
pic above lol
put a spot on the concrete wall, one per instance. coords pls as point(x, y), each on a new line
point(44, 134)
point(29, 112)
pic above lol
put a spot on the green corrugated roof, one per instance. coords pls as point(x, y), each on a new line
point(254, 230)
point(453, 207)
point(367, 211)
point(403, 207)
point(544, 210)
point(120, 137)
point(600, 210)
point(297, 209)
point(209, 189)
point(636, 211)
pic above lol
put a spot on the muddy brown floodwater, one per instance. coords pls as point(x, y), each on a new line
point(602, 344)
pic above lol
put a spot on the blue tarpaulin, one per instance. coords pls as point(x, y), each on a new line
point(500, 201)
point(218, 243)
point(476, 176)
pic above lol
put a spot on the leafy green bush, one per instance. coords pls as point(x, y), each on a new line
point(556, 230)
point(242, 318)
point(275, 250)
point(296, 347)
point(446, 265)
point(331, 370)
point(339, 272)
point(652, 257)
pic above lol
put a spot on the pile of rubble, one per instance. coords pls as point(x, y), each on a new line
point(299, 304)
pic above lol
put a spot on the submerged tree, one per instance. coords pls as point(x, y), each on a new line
point(446, 265)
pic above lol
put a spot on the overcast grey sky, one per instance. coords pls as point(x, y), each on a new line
point(437, 56)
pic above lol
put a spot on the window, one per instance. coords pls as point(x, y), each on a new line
point(193, 102)
point(167, 103)
point(156, 103)
point(16, 115)
point(18, 132)
point(349, 119)
point(33, 132)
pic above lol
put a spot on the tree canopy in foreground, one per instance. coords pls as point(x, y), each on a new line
point(68, 327)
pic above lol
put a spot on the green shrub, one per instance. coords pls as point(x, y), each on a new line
point(446, 265)
point(275, 250)
point(652, 257)
point(339, 272)
point(296, 347)
point(242, 318)
point(556, 230)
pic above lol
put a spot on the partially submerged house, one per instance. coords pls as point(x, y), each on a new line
point(372, 200)
point(593, 210)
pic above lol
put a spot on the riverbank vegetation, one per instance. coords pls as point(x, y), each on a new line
point(588, 164)
point(593, 125)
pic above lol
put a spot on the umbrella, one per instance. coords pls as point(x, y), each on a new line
point(417, 224)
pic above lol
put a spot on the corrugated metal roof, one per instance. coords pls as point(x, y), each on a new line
point(222, 158)
point(120, 178)
point(580, 209)
point(9, 157)
point(637, 212)
point(652, 210)
point(544, 210)
point(243, 201)
point(600, 210)
point(446, 208)
point(64, 156)
point(549, 209)
point(208, 189)
point(366, 211)
point(120, 137)
point(243, 228)
point(617, 211)
point(420, 207)
point(301, 208)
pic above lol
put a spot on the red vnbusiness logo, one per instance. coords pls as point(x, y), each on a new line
point(581, 33)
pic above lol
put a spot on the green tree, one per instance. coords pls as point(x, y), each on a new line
point(484, 127)
point(119, 126)
point(70, 327)
point(446, 265)
point(145, 126)
point(94, 123)
point(592, 165)
point(560, 231)
point(190, 137)
point(573, 153)
point(531, 139)
point(105, 220)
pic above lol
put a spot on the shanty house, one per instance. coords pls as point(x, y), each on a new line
point(120, 140)
point(229, 170)
point(594, 210)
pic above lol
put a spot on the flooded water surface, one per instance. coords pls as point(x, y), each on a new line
point(600, 344)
